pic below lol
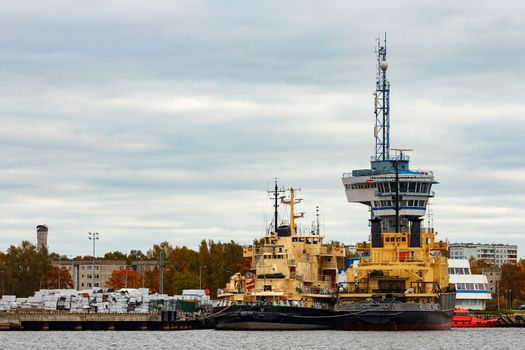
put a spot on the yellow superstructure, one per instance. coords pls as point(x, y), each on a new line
point(288, 266)
point(396, 268)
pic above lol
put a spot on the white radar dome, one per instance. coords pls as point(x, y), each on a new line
point(383, 65)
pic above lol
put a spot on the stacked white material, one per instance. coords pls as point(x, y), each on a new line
point(199, 294)
point(35, 301)
point(50, 301)
point(22, 303)
point(8, 302)
point(121, 301)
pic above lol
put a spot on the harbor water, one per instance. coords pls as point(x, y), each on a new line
point(488, 338)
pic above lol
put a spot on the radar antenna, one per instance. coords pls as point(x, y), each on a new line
point(275, 196)
point(382, 105)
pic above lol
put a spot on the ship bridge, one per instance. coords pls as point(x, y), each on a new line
point(395, 194)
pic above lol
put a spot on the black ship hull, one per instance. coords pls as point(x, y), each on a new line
point(389, 315)
point(268, 317)
point(395, 321)
point(392, 315)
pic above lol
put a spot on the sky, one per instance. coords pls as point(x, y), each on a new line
point(151, 121)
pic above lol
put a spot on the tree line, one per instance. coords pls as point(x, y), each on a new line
point(25, 269)
point(209, 267)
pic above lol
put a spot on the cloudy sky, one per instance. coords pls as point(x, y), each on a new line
point(149, 121)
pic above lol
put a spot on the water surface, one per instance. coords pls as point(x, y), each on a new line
point(489, 338)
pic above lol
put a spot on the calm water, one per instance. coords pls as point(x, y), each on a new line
point(491, 338)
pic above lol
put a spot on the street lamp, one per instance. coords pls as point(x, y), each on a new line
point(129, 268)
point(200, 275)
point(94, 237)
point(497, 292)
point(510, 298)
point(59, 268)
point(161, 270)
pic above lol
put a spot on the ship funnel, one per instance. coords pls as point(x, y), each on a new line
point(377, 239)
point(415, 232)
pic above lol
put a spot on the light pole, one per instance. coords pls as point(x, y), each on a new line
point(510, 298)
point(59, 268)
point(497, 291)
point(200, 275)
point(128, 269)
point(94, 237)
point(161, 271)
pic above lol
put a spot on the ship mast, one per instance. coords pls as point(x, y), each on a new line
point(291, 202)
point(317, 219)
point(382, 105)
point(275, 196)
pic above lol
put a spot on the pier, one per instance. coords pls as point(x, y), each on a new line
point(515, 320)
point(62, 321)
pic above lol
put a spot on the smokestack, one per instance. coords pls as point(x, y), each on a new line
point(377, 239)
point(41, 236)
point(415, 232)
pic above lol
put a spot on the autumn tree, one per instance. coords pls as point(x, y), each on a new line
point(513, 281)
point(58, 278)
point(124, 279)
point(185, 268)
point(477, 265)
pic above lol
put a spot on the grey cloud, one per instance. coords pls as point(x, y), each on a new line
point(168, 121)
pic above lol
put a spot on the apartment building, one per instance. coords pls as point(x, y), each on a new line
point(496, 254)
point(88, 274)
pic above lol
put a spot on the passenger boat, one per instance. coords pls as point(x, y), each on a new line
point(463, 319)
point(291, 278)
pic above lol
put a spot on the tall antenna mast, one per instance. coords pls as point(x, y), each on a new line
point(317, 219)
point(382, 105)
point(275, 196)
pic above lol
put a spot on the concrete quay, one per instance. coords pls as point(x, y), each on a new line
point(56, 320)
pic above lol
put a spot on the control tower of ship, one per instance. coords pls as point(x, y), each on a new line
point(397, 196)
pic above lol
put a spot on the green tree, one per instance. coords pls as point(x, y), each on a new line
point(24, 269)
point(184, 267)
point(116, 255)
point(135, 255)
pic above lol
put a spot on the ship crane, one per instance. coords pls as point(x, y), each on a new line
point(292, 201)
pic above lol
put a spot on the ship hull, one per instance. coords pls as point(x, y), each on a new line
point(391, 315)
point(247, 317)
point(400, 321)
point(360, 316)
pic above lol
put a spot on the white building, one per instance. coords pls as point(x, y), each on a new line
point(472, 290)
point(497, 254)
